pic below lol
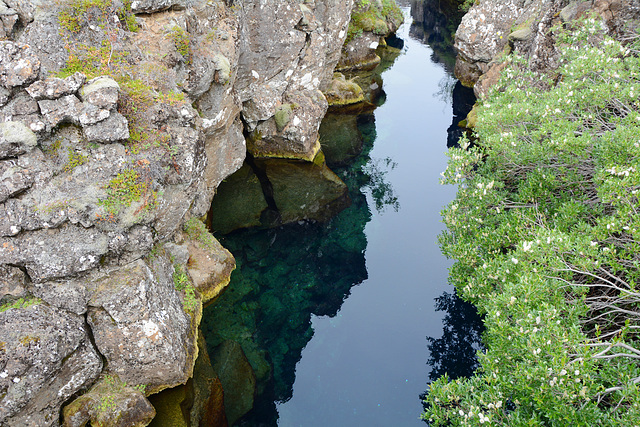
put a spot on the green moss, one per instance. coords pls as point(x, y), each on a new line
point(368, 17)
point(75, 159)
point(197, 231)
point(283, 116)
point(20, 303)
point(182, 282)
point(72, 17)
point(182, 42)
point(126, 188)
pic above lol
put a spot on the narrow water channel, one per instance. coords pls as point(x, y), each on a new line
point(334, 317)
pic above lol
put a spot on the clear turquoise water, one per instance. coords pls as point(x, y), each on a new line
point(334, 317)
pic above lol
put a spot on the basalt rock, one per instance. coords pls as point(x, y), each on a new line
point(46, 357)
point(110, 140)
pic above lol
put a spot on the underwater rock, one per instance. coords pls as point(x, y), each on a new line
point(340, 138)
point(237, 378)
point(197, 403)
point(239, 202)
point(304, 191)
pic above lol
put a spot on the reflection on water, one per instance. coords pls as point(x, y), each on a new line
point(286, 274)
point(289, 274)
point(454, 353)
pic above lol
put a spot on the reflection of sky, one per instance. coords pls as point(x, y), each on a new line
point(366, 367)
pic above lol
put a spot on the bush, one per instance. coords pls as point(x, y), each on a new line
point(545, 231)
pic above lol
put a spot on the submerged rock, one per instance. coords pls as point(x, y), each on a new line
point(340, 138)
point(237, 378)
point(304, 191)
point(198, 403)
point(240, 202)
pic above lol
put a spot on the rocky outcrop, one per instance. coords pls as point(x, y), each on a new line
point(305, 38)
point(492, 29)
point(118, 123)
point(371, 22)
point(46, 356)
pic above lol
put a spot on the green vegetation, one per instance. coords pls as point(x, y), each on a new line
point(367, 17)
point(466, 5)
point(182, 282)
point(546, 233)
point(197, 231)
point(20, 303)
point(182, 42)
point(126, 188)
point(75, 160)
point(108, 60)
point(110, 387)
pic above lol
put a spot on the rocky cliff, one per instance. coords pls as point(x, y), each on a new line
point(119, 121)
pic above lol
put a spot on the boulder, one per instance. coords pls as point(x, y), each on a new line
point(19, 65)
point(46, 358)
point(110, 403)
point(237, 378)
point(54, 87)
point(112, 129)
point(342, 92)
point(16, 139)
point(102, 92)
point(209, 264)
point(140, 325)
point(62, 110)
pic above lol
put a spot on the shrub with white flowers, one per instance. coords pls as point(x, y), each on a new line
point(546, 233)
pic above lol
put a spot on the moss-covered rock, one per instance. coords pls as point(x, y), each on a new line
point(343, 92)
point(110, 403)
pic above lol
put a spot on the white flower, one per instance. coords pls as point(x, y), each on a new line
point(515, 261)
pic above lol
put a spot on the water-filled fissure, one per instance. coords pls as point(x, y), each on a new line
point(328, 318)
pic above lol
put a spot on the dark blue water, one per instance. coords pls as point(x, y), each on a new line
point(367, 365)
point(333, 317)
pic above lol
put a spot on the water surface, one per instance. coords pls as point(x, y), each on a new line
point(367, 365)
point(333, 317)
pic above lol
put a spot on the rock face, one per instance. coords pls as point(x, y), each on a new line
point(493, 27)
point(305, 38)
point(118, 121)
point(46, 357)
